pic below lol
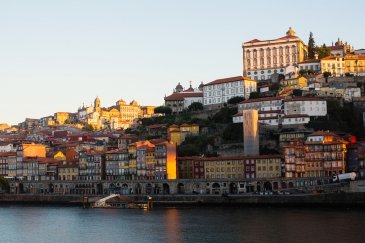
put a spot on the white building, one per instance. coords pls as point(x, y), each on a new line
point(250, 132)
point(219, 91)
point(281, 111)
point(181, 99)
point(7, 147)
point(310, 65)
point(261, 59)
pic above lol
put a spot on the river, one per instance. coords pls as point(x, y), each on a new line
point(195, 224)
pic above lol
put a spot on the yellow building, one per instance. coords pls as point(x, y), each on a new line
point(61, 117)
point(294, 83)
point(177, 134)
point(59, 156)
point(33, 150)
point(341, 65)
point(224, 168)
point(268, 167)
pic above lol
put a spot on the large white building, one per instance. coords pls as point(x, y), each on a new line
point(262, 58)
point(281, 111)
point(219, 91)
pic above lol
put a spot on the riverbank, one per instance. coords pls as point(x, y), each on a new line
point(320, 199)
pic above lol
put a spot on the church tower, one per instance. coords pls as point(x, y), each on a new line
point(97, 104)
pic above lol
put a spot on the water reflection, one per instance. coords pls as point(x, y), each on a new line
point(172, 225)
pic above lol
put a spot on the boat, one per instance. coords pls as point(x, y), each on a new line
point(121, 201)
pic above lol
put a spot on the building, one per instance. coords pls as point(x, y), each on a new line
point(230, 167)
point(250, 132)
point(263, 58)
point(312, 65)
point(219, 91)
point(165, 157)
point(177, 134)
point(117, 165)
point(91, 165)
point(68, 171)
point(348, 64)
point(61, 118)
point(339, 48)
point(283, 111)
point(181, 99)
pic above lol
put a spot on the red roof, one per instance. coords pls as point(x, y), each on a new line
point(182, 95)
point(227, 80)
point(262, 99)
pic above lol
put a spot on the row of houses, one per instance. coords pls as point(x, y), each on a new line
point(319, 154)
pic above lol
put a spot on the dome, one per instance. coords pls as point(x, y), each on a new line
point(179, 87)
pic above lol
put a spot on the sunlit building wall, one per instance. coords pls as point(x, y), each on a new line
point(251, 132)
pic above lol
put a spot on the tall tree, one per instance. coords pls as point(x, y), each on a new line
point(311, 46)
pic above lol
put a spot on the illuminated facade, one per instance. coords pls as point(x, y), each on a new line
point(251, 132)
point(177, 134)
point(261, 59)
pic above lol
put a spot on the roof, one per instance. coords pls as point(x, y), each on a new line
point(182, 95)
point(303, 99)
point(268, 156)
point(6, 154)
point(322, 133)
point(262, 99)
point(227, 80)
point(310, 61)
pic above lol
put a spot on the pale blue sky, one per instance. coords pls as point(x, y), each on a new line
point(55, 55)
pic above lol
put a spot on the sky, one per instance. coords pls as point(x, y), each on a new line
point(59, 55)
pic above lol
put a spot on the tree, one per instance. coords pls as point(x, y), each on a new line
point(196, 106)
point(323, 51)
point(4, 184)
point(235, 100)
point(164, 110)
point(311, 46)
point(254, 95)
point(326, 75)
point(303, 72)
point(88, 127)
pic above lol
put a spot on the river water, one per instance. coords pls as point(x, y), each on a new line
point(212, 224)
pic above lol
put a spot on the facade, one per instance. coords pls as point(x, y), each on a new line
point(61, 117)
point(230, 167)
point(261, 59)
point(117, 165)
point(313, 65)
point(250, 132)
point(219, 91)
point(177, 134)
point(344, 65)
point(339, 48)
point(181, 99)
point(281, 111)
point(68, 171)
point(91, 165)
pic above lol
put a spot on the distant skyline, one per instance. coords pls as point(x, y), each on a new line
point(57, 55)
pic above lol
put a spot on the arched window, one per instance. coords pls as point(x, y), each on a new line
point(268, 61)
point(275, 51)
point(294, 58)
point(280, 50)
point(268, 52)
point(261, 52)
point(254, 53)
point(287, 50)
point(261, 61)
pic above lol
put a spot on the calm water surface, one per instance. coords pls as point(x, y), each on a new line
point(72, 224)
